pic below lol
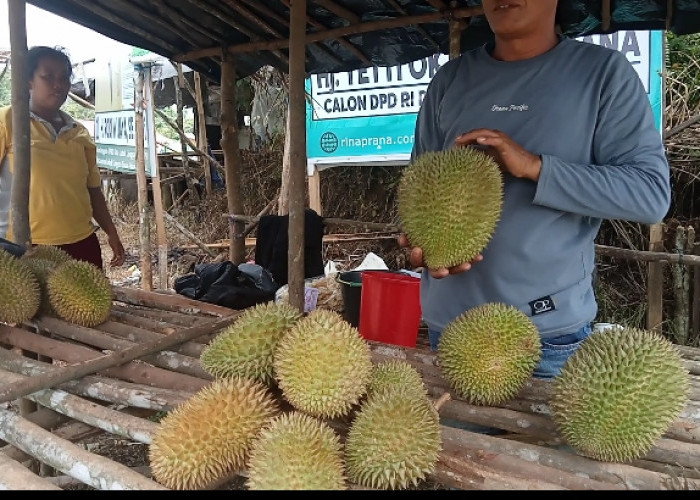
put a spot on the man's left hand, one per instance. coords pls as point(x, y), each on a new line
point(118, 253)
point(509, 155)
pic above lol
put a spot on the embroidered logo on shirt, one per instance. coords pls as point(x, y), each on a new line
point(543, 305)
point(510, 107)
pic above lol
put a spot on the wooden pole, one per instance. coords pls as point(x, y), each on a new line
point(695, 328)
point(202, 141)
point(655, 281)
point(179, 83)
point(21, 145)
point(232, 156)
point(162, 238)
point(283, 204)
point(455, 35)
point(297, 153)
point(141, 181)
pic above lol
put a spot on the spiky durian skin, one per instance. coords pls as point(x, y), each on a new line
point(246, 348)
point(48, 252)
point(80, 293)
point(396, 373)
point(296, 452)
point(618, 393)
point(323, 365)
point(449, 203)
point(489, 352)
point(394, 440)
point(42, 268)
point(20, 294)
point(211, 433)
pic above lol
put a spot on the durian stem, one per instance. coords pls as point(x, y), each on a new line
point(442, 400)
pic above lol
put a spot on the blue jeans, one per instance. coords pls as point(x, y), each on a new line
point(555, 351)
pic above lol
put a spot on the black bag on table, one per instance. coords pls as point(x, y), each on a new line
point(228, 285)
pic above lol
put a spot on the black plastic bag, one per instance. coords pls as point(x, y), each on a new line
point(224, 284)
point(13, 248)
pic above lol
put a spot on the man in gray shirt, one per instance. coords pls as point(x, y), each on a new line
point(572, 129)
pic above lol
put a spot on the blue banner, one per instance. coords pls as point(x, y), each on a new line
point(368, 116)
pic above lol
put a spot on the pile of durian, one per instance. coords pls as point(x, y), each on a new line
point(48, 281)
point(283, 382)
point(614, 398)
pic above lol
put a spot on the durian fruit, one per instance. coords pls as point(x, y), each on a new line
point(323, 365)
point(393, 441)
point(449, 203)
point(211, 433)
point(80, 293)
point(618, 393)
point(41, 268)
point(296, 452)
point(396, 373)
point(489, 352)
point(47, 252)
point(20, 294)
point(246, 347)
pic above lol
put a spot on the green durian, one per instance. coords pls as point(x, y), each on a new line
point(246, 348)
point(449, 203)
point(42, 268)
point(20, 294)
point(210, 434)
point(323, 365)
point(394, 440)
point(48, 252)
point(619, 393)
point(80, 293)
point(396, 373)
point(489, 352)
point(296, 452)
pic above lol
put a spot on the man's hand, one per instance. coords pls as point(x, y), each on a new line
point(509, 155)
point(118, 253)
point(416, 259)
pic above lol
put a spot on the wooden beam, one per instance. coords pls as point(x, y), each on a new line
point(338, 10)
point(110, 360)
point(113, 18)
point(220, 15)
point(420, 30)
point(312, 22)
point(460, 13)
point(605, 15)
point(297, 154)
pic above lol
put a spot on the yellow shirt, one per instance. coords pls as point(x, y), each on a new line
point(63, 167)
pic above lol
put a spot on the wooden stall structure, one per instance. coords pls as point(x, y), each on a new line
point(113, 379)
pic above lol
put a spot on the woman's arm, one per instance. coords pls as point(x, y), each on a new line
point(101, 214)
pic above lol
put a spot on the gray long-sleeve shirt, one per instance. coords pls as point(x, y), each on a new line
point(584, 110)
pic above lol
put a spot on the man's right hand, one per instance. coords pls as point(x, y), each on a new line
point(416, 260)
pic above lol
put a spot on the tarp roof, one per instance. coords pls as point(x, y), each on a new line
point(374, 32)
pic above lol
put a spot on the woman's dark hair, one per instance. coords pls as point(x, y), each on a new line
point(35, 54)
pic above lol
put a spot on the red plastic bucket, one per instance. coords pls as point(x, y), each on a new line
point(390, 307)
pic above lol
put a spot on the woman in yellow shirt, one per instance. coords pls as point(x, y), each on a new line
point(65, 193)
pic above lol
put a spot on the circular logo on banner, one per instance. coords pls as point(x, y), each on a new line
point(329, 142)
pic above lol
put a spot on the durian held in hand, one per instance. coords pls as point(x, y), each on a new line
point(449, 203)
point(619, 393)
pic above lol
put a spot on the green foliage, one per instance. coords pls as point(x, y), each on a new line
point(683, 65)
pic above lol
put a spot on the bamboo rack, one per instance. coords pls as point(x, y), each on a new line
point(145, 359)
